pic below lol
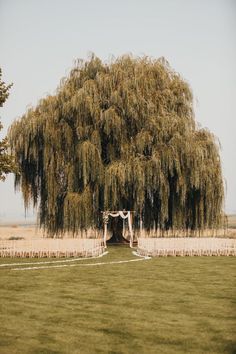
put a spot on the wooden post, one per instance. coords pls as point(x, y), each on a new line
point(130, 229)
point(141, 223)
point(105, 235)
point(105, 222)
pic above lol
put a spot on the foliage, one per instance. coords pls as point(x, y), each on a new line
point(119, 135)
point(6, 160)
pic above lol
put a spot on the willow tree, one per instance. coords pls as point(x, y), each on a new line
point(119, 135)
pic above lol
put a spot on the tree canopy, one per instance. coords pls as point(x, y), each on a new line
point(119, 135)
point(6, 160)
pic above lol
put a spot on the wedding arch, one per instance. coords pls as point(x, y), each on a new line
point(125, 215)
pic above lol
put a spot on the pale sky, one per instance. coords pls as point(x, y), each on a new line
point(39, 41)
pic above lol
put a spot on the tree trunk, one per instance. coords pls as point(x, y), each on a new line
point(117, 230)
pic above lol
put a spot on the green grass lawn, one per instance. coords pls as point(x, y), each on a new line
point(163, 305)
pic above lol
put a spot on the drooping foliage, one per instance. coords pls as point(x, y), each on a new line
point(6, 161)
point(119, 135)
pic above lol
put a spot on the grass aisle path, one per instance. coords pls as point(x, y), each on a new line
point(163, 305)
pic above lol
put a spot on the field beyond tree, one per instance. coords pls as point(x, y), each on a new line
point(162, 305)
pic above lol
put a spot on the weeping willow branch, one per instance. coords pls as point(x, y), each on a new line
point(119, 136)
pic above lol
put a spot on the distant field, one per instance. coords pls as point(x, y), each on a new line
point(232, 221)
point(163, 305)
point(29, 230)
point(231, 232)
point(15, 230)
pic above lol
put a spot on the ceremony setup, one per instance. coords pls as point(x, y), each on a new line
point(117, 177)
point(154, 247)
point(162, 245)
point(116, 157)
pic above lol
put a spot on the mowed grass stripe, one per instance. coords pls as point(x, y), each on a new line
point(68, 260)
point(32, 262)
point(165, 305)
point(83, 264)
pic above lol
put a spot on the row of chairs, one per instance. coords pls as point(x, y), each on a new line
point(51, 248)
point(50, 254)
point(187, 247)
point(188, 252)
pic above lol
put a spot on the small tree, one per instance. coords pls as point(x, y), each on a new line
point(119, 136)
point(6, 160)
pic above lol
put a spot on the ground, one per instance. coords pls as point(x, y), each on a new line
point(232, 226)
point(29, 230)
point(19, 230)
point(163, 305)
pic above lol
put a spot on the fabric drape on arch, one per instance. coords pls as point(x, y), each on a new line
point(124, 215)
